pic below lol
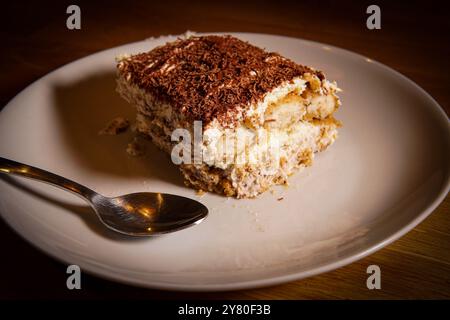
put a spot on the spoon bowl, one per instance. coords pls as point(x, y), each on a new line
point(144, 213)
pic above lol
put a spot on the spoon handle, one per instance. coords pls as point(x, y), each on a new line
point(24, 170)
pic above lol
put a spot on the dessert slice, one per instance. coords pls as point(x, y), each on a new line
point(260, 116)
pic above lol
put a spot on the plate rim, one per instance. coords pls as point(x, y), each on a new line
point(268, 281)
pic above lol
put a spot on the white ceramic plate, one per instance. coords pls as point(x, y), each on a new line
point(388, 170)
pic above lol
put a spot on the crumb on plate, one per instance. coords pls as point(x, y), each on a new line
point(135, 148)
point(115, 126)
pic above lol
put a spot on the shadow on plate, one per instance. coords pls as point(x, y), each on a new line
point(86, 213)
point(85, 107)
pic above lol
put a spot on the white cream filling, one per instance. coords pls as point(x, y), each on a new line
point(243, 146)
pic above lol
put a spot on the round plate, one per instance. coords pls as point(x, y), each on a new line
point(387, 171)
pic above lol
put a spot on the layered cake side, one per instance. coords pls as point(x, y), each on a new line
point(262, 116)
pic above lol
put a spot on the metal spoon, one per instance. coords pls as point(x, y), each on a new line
point(135, 214)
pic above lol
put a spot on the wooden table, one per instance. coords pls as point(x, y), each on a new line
point(414, 40)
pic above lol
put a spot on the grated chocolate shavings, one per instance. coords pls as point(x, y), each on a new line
point(210, 77)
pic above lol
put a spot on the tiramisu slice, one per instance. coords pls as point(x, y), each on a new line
point(260, 116)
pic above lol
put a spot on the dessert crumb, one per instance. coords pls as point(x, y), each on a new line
point(135, 148)
point(115, 126)
point(200, 192)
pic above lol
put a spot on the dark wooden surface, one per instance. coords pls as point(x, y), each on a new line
point(414, 40)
